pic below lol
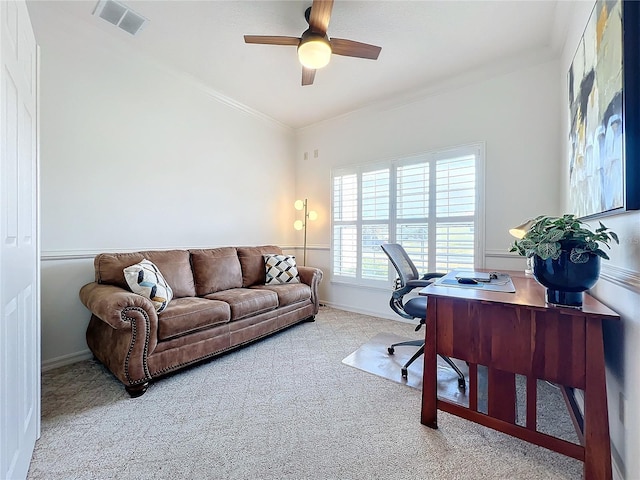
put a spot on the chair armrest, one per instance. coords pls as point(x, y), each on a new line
point(417, 284)
point(431, 276)
point(109, 302)
point(425, 280)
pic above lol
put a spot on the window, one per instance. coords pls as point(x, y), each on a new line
point(428, 203)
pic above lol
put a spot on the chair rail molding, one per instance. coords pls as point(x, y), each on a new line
point(500, 254)
point(52, 255)
point(620, 276)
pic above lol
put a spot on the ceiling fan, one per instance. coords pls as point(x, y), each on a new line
point(314, 46)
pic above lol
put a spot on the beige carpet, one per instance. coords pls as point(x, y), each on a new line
point(282, 408)
point(373, 357)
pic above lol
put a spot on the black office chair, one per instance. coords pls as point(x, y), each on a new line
point(415, 308)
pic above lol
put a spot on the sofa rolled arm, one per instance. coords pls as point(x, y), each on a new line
point(122, 332)
point(311, 276)
point(108, 302)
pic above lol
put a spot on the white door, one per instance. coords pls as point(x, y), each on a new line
point(19, 243)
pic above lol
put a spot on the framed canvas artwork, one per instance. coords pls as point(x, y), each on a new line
point(603, 113)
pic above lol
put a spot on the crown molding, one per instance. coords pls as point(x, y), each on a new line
point(116, 45)
point(447, 83)
point(228, 101)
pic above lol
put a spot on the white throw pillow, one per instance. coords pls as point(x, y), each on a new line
point(145, 279)
point(281, 269)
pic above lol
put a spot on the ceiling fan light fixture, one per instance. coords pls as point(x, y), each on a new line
point(314, 51)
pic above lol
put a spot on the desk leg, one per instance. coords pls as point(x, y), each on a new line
point(501, 395)
point(597, 446)
point(430, 376)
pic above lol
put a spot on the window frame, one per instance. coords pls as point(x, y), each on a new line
point(476, 149)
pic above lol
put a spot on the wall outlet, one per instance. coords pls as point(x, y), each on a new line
point(306, 155)
point(315, 153)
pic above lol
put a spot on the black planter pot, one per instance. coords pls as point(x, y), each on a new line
point(566, 281)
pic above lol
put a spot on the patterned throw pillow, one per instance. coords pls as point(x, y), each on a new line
point(145, 279)
point(281, 269)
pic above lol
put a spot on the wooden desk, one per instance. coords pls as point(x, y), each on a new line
point(517, 333)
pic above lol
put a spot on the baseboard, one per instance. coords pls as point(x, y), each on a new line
point(364, 311)
point(65, 360)
point(617, 465)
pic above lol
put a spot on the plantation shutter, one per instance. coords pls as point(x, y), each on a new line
point(375, 219)
point(455, 185)
point(412, 229)
point(345, 234)
point(427, 203)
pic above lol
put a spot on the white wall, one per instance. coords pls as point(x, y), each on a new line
point(515, 113)
point(619, 288)
point(134, 157)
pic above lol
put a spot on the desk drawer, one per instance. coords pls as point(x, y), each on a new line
point(548, 345)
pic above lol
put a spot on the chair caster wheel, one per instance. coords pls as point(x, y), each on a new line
point(462, 384)
point(391, 350)
point(404, 373)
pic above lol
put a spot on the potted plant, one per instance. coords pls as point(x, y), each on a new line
point(566, 256)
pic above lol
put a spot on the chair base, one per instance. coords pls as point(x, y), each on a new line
point(462, 384)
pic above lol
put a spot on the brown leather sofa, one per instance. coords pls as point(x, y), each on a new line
point(220, 301)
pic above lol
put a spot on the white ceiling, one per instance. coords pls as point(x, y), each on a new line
point(423, 43)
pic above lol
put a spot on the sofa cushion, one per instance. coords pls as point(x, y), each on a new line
point(145, 279)
point(288, 293)
point(280, 269)
point(109, 267)
point(188, 314)
point(174, 265)
point(246, 302)
point(176, 268)
point(252, 263)
point(216, 269)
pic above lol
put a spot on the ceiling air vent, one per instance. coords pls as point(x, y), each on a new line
point(121, 16)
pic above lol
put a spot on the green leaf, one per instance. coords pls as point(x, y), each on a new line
point(548, 250)
point(578, 255)
point(554, 235)
point(546, 233)
point(591, 246)
point(601, 254)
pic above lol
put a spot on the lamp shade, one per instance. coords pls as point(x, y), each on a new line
point(298, 224)
point(521, 230)
point(298, 205)
point(313, 215)
point(314, 51)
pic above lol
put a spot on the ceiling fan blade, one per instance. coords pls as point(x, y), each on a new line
point(350, 48)
point(272, 40)
point(320, 15)
point(308, 74)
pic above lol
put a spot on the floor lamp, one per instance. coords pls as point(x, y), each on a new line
point(302, 224)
